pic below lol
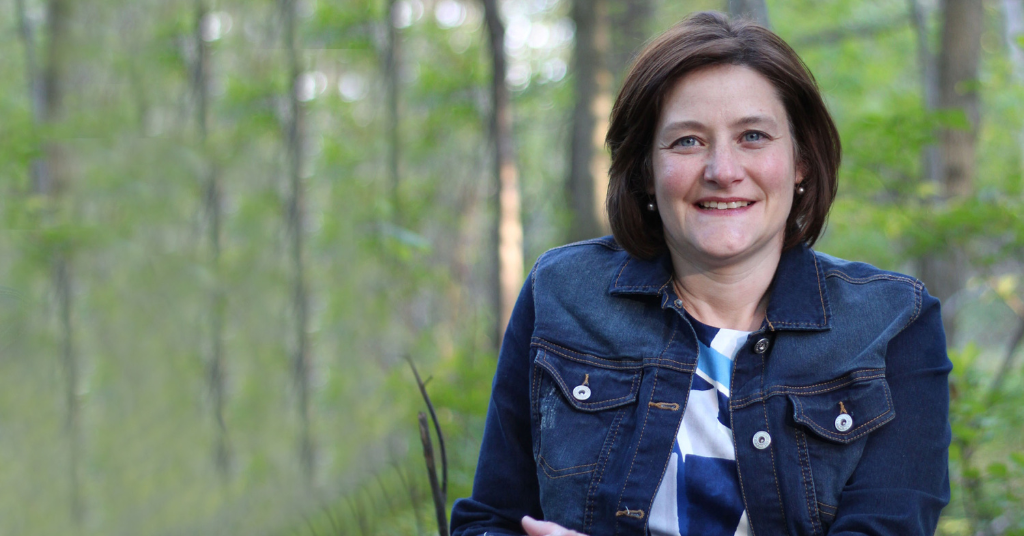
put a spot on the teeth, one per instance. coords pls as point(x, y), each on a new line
point(723, 205)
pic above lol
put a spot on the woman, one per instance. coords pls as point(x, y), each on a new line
point(705, 372)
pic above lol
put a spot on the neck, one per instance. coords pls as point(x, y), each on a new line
point(729, 295)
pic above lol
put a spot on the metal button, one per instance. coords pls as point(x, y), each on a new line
point(761, 345)
point(678, 303)
point(762, 440)
point(844, 422)
point(581, 392)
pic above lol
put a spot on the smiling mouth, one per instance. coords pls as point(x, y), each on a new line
point(722, 205)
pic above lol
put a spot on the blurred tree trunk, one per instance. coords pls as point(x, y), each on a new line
point(589, 161)
point(50, 174)
point(919, 16)
point(946, 272)
point(755, 10)
point(1013, 19)
point(213, 209)
point(629, 22)
point(296, 234)
point(510, 224)
point(391, 76)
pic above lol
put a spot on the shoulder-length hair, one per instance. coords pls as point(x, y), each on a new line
point(702, 40)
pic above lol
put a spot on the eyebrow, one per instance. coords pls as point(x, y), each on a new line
point(743, 121)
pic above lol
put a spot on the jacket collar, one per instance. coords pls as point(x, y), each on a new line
point(799, 299)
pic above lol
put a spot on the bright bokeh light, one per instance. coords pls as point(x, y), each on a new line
point(519, 74)
point(310, 85)
point(553, 70)
point(215, 25)
point(449, 14)
point(352, 87)
point(407, 12)
point(516, 34)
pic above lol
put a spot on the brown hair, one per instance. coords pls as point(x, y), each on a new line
point(701, 40)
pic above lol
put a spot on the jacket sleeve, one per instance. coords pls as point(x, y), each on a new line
point(902, 480)
point(505, 487)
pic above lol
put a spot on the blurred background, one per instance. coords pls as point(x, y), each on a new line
point(227, 225)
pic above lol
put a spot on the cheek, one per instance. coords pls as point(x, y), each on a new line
point(672, 176)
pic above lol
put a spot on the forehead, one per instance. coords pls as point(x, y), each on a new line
point(722, 92)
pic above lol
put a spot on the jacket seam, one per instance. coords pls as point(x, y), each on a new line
point(544, 465)
point(642, 363)
point(821, 296)
point(808, 480)
point(792, 390)
point(636, 450)
point(569, 354)
point(771, 450)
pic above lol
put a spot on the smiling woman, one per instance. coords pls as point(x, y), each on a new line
point(704, 372)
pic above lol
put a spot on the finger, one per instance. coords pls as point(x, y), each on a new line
point(534, 527)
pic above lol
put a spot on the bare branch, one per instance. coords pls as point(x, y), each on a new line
point(435, 488)
point(437, 429)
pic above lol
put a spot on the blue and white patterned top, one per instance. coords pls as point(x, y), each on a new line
point(700, 493)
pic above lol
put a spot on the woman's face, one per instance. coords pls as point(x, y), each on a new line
point(724, 166)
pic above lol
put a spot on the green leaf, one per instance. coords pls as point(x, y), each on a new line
point(997, 469)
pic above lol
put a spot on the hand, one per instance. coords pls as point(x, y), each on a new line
point(546, 528)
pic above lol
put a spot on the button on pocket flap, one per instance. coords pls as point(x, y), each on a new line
point(593, 385)
point(846, 413)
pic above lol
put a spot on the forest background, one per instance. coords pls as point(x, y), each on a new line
point(228, 225)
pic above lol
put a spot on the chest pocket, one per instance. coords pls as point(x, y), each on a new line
point(832, 425)
point(579, 403)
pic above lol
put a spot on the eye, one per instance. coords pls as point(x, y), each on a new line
point(754, 136)
point(685, 141)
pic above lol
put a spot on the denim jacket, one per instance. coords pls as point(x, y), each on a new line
point(839, 404)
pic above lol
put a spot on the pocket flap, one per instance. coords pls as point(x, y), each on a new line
point(847, 413)
point(609, 384)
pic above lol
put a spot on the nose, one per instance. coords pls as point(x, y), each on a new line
point(722, 166)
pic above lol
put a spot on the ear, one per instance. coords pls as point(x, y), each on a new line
point(801, 172)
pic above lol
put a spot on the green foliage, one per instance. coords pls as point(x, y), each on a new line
point(391, 269)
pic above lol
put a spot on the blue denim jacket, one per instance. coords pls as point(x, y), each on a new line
point(839, 402)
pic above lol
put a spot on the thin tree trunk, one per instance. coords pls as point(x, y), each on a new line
point(47, 85)
point(946, 272)
point(213, 204)
point(296, 232)
point(588, 167)
point(392, 80)
point(510, 224)
point(755, 10)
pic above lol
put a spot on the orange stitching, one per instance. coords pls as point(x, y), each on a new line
point(798, 391)
point(602, 362)
point(821, 295)
point(638, 514)
point(553, 474)
point(870, 279)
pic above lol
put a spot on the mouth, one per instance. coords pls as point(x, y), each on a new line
point(723, 205)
